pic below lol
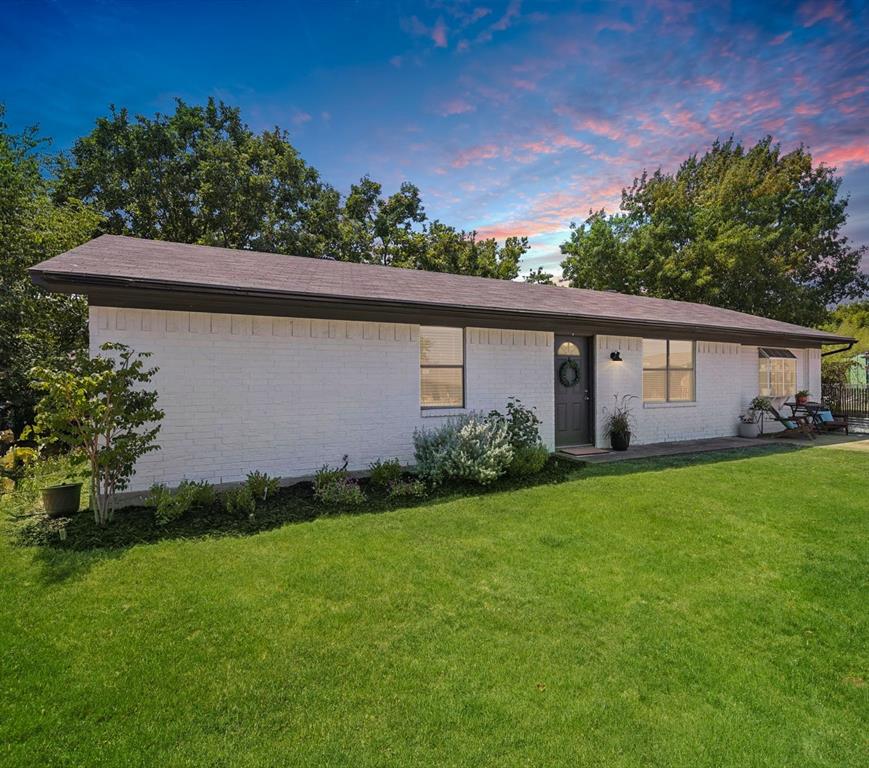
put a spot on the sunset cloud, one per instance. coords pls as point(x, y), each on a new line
point(475, 155)
point(511, 118)
point(455, 107)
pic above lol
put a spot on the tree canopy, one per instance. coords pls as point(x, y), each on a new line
point(200, 175)
point(36, 328)
point(755, 230)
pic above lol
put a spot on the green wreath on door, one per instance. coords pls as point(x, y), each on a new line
point(568, 373)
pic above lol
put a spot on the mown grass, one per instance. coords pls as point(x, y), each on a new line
point(659, 613)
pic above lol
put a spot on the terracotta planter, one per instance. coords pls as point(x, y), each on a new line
point(61, 500)
point(620, 440)
point(802, 399)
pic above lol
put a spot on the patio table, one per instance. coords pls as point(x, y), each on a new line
point(811, 409)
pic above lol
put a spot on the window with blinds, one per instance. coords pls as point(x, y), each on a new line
point(441, 367)
point(668, 371)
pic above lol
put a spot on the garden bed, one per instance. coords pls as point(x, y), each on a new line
point(292, 504)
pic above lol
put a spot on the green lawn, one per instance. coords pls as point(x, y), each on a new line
point(682, 613)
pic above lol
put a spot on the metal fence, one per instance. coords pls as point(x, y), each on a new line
point(850, 399)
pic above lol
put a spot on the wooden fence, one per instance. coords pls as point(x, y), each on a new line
point(851, 399)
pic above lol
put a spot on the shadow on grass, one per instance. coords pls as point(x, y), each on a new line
point(87, 544)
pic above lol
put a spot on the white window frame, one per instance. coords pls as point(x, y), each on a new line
point(427, 365)
point(770, 354)
point(667, 368)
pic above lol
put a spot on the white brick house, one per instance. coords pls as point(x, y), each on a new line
point(283, 364)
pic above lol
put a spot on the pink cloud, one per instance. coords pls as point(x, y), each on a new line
point(524, 85)
point(682, 118)
point(552, 212)
point(596, 125)
point(779, 39)
point(475, 155)
point(509, 16)
point(710, 84)
point(455, 107)
point(850, 92)
point(848, 155)
point(807, 110)
point(439, 34)
point(557, 142)
point(812, 12)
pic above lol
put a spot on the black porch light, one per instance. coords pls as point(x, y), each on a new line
point(616, 356)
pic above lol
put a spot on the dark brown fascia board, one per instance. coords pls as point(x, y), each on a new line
point(146, 294)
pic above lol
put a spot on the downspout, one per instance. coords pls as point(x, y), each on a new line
point(837, 351)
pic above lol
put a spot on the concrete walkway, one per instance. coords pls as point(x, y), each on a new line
point(858, 443)
point(652, 450)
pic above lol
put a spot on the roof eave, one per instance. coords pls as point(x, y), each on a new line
point(144, 293)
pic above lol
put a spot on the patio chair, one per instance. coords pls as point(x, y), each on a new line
point(794, 426)
point(827, 421)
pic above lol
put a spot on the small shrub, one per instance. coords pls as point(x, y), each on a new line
point(528, 460)
point(343, 492)
point(172, 505)
point(14, 464)
point(385, 473)
point(335, 486)
point(472, 447)
point(261, 485)
point(523, 426)
point(240, 501)
point(407, 489)
point(434, 449)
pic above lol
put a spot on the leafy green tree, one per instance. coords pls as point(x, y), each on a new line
point(450, 250)
point(36, 328)
point(201, 175)
point(751, 229)
point(380, 230)
point(99, 405)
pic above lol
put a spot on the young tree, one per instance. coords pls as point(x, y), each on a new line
point(98, 406)
point(751, 229)
point(36, 328)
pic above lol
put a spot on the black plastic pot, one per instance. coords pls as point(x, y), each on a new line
point(61, 500)
point(620, 440)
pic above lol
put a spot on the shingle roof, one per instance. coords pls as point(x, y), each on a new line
point(159, 264)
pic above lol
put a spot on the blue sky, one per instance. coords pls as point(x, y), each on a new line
point(512, 117)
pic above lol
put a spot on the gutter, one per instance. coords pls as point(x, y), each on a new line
point(837, 351)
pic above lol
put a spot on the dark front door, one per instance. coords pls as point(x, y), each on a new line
point(573, 388)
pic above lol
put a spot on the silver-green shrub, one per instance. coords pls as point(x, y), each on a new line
point(473, 447)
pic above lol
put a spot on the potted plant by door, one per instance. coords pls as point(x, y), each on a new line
point(61, 500)
point(802, 397)
point(618, 422)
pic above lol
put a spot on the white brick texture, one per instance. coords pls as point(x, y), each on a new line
point(287, 395)
point(726, 382)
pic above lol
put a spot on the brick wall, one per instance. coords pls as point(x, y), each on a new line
point(726, 382)
point(286, 395)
